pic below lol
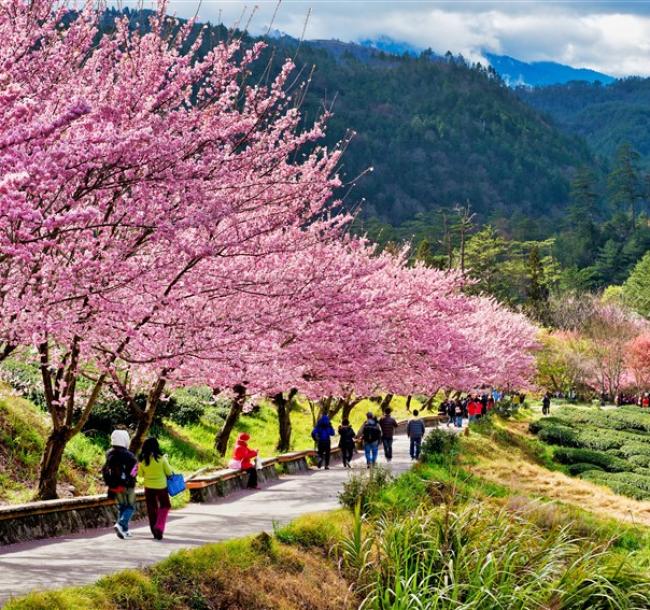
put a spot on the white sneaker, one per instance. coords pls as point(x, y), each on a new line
point(128, 535)
point(119, 531)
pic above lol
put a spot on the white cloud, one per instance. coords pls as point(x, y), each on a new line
point(607, 36)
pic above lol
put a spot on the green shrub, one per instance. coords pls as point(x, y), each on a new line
point(439, 443)
point(361, 488)
point(580, 467)
point(642, 461)
point(558, 435)
point(617, 482)
point(587, 456)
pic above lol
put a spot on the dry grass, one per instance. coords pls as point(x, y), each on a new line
point(514, 469)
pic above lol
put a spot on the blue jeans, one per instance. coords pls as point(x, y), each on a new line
point(371, 450)
point(458, 421)
point(388, 447)
point(415, 448)
point(125, 507)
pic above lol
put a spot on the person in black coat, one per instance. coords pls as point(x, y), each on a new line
point(346, 442)
point(119, 473)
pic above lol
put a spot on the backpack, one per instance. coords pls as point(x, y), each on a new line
point(115, 472)
point(371, 432)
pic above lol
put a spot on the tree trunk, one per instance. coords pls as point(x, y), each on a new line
point(149, 414)
point(324, 406)
point(6, 350)
point(408, 403)
point(348, 406)
point(385, 403)
point(429, 403)
point(50, 463)
point(221, 441)
point(283, 406)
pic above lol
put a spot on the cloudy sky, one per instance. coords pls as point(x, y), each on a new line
point(612, 37)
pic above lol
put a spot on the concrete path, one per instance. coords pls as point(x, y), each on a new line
point(83, 558)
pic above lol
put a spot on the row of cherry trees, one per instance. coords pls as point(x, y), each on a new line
point(165, 220)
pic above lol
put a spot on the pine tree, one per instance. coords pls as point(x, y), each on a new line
point(623, 181)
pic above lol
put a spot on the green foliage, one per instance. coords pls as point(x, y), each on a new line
point(439, 444)
point(636, 290)
point(320, 531)
point(586, 456)
point(609, 447)
point(361, 488)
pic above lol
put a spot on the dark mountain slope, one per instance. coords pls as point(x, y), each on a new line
point(605, 116)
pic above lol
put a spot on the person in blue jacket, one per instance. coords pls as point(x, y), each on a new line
point(322, 434)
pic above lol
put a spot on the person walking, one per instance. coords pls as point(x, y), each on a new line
point(346, 442)
point(415, 431)
point(155, 469)
point(370, 432)
point(241, 459)
point(119, 473)
point(458, 414)
point(452, 407)
point(388, 426)
point(546, 404)
point(322, 434)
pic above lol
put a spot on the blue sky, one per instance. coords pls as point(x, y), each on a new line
point(612, 37)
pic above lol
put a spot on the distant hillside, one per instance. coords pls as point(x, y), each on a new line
point(439, 133)
point(605, 116)
point(541, 73)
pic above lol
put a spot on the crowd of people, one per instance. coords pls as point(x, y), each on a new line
point(122, 467)
point(471, 407)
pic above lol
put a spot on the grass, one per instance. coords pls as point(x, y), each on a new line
point(23, 428)
point(269, 575)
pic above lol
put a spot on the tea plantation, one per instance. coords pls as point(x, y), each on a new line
point(610, 447)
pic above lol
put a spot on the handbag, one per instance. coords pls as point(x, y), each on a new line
point(234, 464)
point(175, 484)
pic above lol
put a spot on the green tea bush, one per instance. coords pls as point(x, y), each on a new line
point(635, 448)
point(558, 435)
point(587, 456)
point(642, 461)
point(617, 482)
point(580, 467)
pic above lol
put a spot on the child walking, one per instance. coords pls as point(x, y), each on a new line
point(119, 474)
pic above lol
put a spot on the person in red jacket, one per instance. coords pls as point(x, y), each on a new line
point(241, 458)
point(474, 409)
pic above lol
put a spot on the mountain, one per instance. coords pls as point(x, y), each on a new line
point(605, 116)
point(389, 45)
point(541, 73)
point(438, 133)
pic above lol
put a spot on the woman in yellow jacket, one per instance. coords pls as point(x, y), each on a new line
point(155, 468)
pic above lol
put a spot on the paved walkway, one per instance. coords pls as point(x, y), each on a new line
point(83, 558)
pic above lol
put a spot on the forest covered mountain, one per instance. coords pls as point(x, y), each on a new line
point(439, 133)
point(606, 117)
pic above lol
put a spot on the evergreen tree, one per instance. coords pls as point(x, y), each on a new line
point(537, 293)
point(623, 181)
point(636, 290)
point(582, 235)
